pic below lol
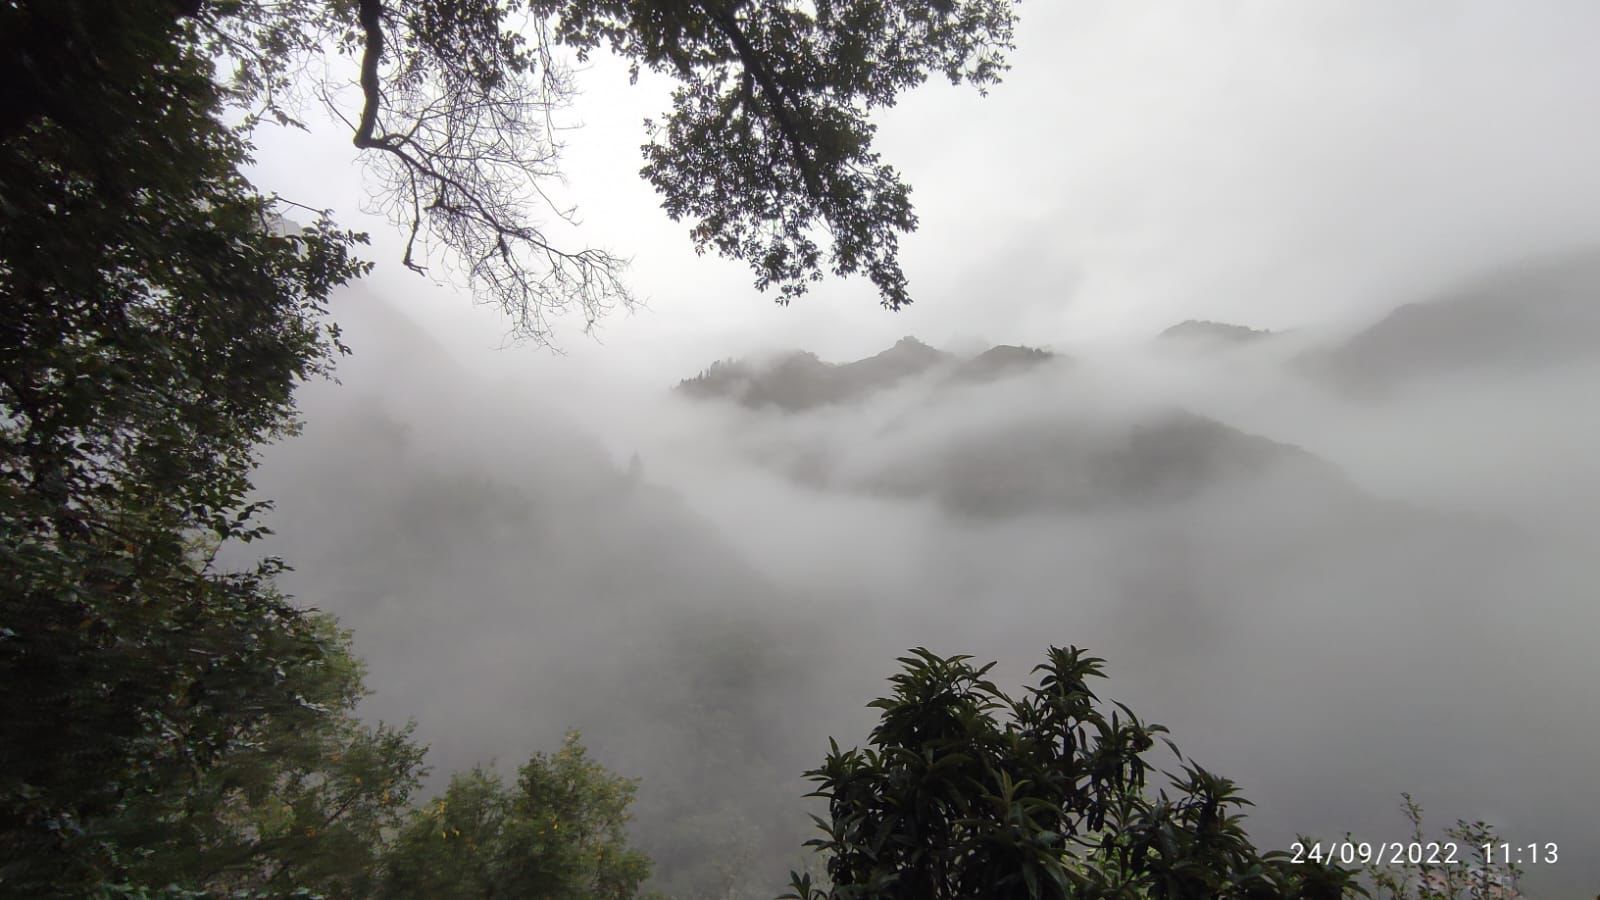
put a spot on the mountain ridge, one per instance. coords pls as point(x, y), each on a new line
point(799, 380)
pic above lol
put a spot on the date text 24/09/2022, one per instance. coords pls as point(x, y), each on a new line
point(1434, 853)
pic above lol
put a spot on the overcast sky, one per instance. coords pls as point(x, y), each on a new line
point(1274, 164)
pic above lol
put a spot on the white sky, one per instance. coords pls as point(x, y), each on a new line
point(1273, 164)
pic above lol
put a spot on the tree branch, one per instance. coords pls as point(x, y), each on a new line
point(370, 14)
point(756, 67)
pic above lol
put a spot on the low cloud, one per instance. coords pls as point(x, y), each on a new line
point(1331, 595)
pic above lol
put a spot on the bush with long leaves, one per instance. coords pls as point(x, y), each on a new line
point(965, 792)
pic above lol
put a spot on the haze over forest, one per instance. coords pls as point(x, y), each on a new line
point(1250, 347)
point(1339, 564)
point(1345, 559)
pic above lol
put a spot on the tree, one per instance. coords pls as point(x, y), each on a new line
point(154, 325)
point(767, 149)
point(768, 138)
point(557, 834)
point(158, 312)
point(966, 792)
point(767, 142)
point(305, 800)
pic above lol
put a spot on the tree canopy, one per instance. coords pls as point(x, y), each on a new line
point(767, 143)
point(766, 151)
point(964, 792)
point(557, 833)
point(154, 327)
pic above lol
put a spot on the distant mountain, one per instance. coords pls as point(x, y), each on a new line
point(1073, 466)
point(1001, 362)
point(907, 357)
point(1538, 314)
point(1196, 330)
point(800, 380)
point(1060, 460)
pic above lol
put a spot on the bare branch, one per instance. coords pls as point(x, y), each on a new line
point(468, 167)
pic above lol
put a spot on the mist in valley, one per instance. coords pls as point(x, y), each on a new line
point(1335, 578)
point(1252, 347)
point(1338, 533)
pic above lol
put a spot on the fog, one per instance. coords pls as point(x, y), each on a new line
point(1331, 590)
point(1352, 558)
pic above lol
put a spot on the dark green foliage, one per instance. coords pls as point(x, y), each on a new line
point(558, 833)
point(301, 801)
point(154, 324)
point(768, 140)
point(965, 792)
